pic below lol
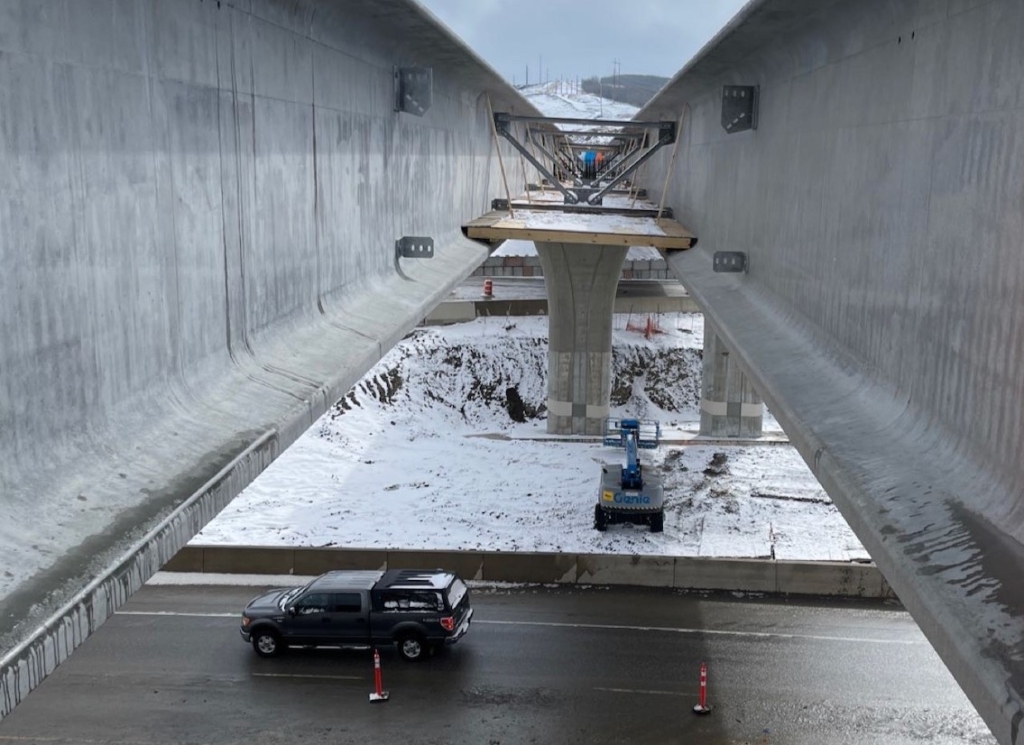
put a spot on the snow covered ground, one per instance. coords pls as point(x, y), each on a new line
point(443, 445)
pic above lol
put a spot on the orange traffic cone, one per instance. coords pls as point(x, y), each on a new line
point(702, 707)
point(380, 694)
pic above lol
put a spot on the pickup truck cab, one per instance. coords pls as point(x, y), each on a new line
point(417, 610)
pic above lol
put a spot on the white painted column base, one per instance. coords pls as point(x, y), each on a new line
point(729, 405)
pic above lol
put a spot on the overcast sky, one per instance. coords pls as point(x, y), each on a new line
point(585, 37)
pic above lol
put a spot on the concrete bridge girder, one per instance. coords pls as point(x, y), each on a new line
point(208, 198)
point(878, 203)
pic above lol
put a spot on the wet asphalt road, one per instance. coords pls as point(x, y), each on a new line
point(539, 665)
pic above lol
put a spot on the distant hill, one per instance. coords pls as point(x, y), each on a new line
point(635, 90)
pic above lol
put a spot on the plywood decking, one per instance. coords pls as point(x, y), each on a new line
point(597, 229)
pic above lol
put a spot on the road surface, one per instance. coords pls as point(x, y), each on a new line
point(540, 665)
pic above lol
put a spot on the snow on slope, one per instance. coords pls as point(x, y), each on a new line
point(552, 102)
point(442, 445)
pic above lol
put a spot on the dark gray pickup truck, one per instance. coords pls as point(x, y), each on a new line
point(417, 610)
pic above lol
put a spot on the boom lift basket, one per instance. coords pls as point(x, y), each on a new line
point(648, 433)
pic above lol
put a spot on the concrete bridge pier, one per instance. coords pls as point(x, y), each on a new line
point(729, 405)
point(581, 281)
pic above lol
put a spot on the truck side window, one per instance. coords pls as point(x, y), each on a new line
point(347, 602)
point(412, 600)
point(314, 602)
point(428, 601)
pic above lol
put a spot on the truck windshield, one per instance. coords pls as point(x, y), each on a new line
point(456, 592)
point(289, 596)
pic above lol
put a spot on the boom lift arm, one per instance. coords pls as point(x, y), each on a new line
point(632, 434)
point(628, 498)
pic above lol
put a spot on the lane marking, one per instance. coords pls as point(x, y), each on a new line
point(612, 627)
point(646, 693)
point(311, 677)
point(709, 632)
point(75, 741)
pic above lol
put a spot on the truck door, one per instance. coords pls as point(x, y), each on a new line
point(350, 613)
point(312, 619)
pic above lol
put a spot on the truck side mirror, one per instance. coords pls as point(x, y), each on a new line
point(291, 610)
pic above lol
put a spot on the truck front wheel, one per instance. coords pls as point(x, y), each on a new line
point(266, 643)
point(411, 647)
point(600, 519)
point(657, 522)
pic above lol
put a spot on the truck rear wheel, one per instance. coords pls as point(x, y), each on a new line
point(411, 647)
point(657, 522)
point(600, 519)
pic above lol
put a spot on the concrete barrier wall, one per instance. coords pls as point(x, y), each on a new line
point(879, 204)
point(199, 203)
point(460, 311)
point(744, 575)
point(529, 266)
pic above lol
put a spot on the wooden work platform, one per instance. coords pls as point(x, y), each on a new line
point(548, 226)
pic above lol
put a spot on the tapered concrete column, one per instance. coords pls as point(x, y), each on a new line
point(581, 281)
point(729, 405)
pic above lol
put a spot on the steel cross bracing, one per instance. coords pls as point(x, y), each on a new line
point(620, 148)
point(566, 153)
point(624, 146)
point(563, 160)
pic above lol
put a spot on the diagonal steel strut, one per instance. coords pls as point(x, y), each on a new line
point(624, 145)
point(501, 124)
point(668, 136)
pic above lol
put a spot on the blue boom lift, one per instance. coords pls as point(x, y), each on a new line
point(627, 495)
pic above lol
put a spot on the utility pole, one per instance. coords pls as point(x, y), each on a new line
point(527, 75)
point(540, 68)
